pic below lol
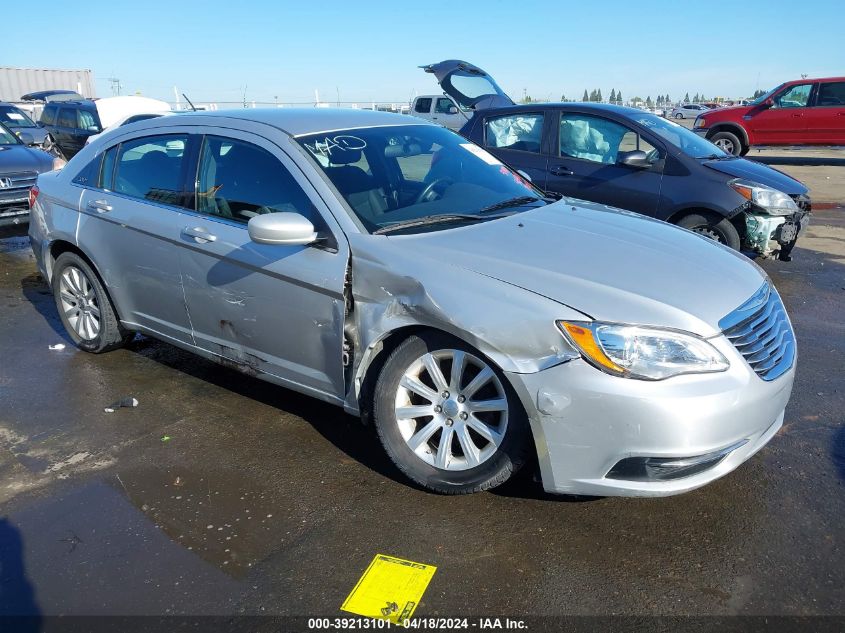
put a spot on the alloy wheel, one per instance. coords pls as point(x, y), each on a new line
point(79, 303)
point(724, 144)
point(452, 409)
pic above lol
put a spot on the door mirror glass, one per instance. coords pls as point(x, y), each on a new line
point(637, 159)
point(768, 103)
point(26, 138)
point(281, 228)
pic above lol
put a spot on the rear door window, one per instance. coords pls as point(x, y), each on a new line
point(522, 132)
point(423, 106)
point(832, 94)
point(238, 181)
point(151, 168)
point(67, 118)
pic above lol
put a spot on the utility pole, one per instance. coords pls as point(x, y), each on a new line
point(115, 86)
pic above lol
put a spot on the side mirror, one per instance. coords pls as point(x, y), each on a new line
point(452, 110)
point(768, 103)
point(26, 138)
point(281, 228)
point(637, 159)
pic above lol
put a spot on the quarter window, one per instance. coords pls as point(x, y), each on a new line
point(150, 168)
point(832, 94)
point(515, 131)
point(794, 97)
point(239, 181)
point(423, 106)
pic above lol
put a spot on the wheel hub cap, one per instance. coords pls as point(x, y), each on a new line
point(79, 303)
point(451, 409)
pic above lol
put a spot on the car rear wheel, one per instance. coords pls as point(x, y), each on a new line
point(727, 142)
point(447, 417)
point(679, 116)
point(713, 226)
point(84, 306)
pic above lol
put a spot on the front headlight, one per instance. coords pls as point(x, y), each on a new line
point(770, 200)
point(632, 351)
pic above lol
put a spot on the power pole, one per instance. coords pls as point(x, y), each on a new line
point(115, 86)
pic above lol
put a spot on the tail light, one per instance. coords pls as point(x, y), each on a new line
point(33, 194)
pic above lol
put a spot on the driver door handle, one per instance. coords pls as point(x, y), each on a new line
point(199, 234)
point(101, 206)
point(560, 170)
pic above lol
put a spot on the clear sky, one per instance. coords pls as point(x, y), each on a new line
point(370, 50)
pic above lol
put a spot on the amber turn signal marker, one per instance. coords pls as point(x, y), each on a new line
point(586, 342)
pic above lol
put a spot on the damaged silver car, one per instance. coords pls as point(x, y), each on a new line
point(389, 266)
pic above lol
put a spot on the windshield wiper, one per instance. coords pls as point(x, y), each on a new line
point(511, 202)
point(715, 157)
point(432, 219)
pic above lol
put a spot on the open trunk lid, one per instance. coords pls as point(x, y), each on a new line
point(470, 86)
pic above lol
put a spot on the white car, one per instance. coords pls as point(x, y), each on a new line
point(440, 109)
point(688, 111)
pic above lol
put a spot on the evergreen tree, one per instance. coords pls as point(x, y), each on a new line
point(612, 95)
point(598, 96)
point(585, 97)
point(686, 98)
point(619, 97)
point(563, 98)
point(668, 100)
point(648, 102)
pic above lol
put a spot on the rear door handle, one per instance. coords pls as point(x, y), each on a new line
point(199, 234)
point(101, 206)
point(560, 170)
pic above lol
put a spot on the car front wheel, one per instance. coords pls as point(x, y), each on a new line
point(727, 142)
point(84, 306)
point(447, 417)
point(713, 226)
point(679, 116)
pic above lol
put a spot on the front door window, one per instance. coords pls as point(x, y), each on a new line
point(794, 97)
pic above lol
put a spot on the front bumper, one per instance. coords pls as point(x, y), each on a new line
point(585, 422)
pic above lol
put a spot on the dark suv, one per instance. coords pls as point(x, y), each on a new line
point(69, 120)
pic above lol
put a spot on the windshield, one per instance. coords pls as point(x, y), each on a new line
point(13, 117)
point(6, 137)
point(403, 174)
point(763, 97)
point(688, 142)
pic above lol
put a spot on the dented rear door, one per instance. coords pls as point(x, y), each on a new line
point(263, 309)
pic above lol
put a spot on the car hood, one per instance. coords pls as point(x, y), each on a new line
point(730, 112)
point(609, 264)
point(758, 172)
point(15, 158)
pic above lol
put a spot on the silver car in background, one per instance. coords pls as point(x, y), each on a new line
point(388, 266)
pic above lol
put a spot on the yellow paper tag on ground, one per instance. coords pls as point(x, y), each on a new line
point(390, 589)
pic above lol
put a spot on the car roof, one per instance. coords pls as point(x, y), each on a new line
point(810, 80)
point(585, 106)
point(295, 121)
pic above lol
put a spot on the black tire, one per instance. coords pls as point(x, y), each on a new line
point(510, 455)
point(713, 226)
point(679, 116)
point(730, 142)
point(745, 149)
point(111, 334)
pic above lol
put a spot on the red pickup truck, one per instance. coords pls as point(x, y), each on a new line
point(800, 112)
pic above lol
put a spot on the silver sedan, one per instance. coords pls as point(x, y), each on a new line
point(390, 267)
